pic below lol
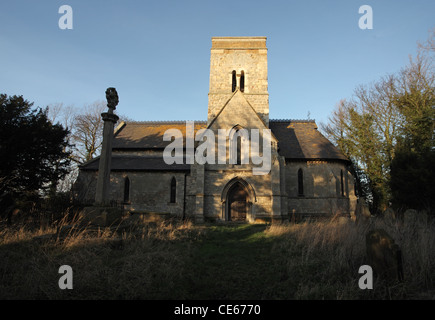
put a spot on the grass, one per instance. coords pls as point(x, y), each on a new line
point(180, 260)
point(234, 262)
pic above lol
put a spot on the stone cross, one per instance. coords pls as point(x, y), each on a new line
point(109, 118)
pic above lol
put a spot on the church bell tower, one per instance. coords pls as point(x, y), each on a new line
point(238, 64)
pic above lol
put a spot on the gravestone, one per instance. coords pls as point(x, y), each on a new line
point(384, 256)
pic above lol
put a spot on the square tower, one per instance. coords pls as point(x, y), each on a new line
point(238, 64)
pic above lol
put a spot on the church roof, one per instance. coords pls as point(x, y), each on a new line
point(149, 134)
point(298, 139)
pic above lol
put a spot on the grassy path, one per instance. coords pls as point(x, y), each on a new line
point(235, 262)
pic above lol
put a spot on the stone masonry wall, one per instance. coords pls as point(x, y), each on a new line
point(322, 189)
point(217, 180)
point(240, 54)
point(149, 191)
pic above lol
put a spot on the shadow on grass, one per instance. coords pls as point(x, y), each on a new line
point(236, 261)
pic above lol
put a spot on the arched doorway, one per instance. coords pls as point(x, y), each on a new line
point(237, 203)
point(238, 198)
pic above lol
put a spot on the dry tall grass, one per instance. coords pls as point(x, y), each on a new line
point(128, 261)
point(328, 254)
point(143, 260)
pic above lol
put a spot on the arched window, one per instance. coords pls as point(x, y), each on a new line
point(234, 81)
point(126, 189)
point(242, 82)
point(341, 183)
point(239, 145)
point(173, 190)
point(300, 182)
point(239, 148)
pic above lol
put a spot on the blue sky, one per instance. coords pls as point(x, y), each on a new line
point(157, 53)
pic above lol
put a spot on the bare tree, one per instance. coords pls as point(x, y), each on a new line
point(378, 100)
point(58, 112)
point(429, 45)
point(87, 134)
point(64, 115)
point(416, 101)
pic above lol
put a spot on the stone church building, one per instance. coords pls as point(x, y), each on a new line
point(308, 175)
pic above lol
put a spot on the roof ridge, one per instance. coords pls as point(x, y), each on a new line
point(164, 121)
point(204, 121)
point(293, 120)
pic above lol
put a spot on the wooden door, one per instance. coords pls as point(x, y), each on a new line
point(237, 203)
